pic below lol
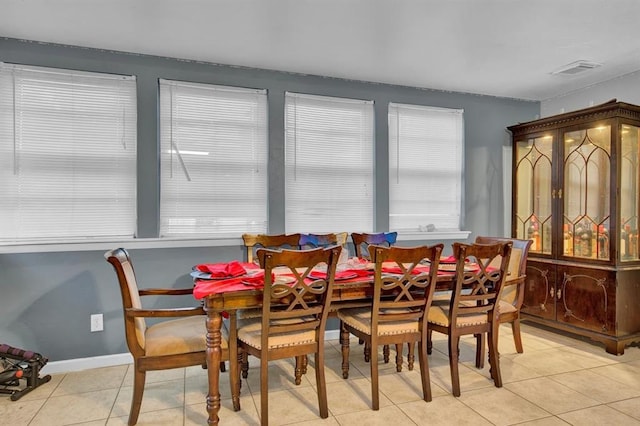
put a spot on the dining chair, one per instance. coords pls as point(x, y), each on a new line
point(472, 308)
point(512, 294)
point(397, 314)
point(252, 243)
point(362, 241)
point(169, 343)
point(294, 314)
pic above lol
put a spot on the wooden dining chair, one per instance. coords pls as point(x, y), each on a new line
point(512, 294)
point(294, 315)
point(171, 343)
point(253, 242)
point(472, 308)
point(362, 241)
point(397, 314)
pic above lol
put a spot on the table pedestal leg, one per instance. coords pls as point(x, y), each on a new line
point(214, 356)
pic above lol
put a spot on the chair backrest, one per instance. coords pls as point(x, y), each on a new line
point(134, 327)
point(517, 266)
point(323, 240)
point(302, 302)
point(477, 280)
point(361, 242)
point(407, 295)
point(253, 242)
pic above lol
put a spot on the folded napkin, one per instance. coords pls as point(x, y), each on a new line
point(204, 288)
point(448, 259)
point(223, 270)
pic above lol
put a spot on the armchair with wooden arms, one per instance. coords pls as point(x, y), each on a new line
point(512, 294)
point(173, 343)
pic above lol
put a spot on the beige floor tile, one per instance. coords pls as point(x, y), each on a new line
point(291, 405)
point(196, 387)
point(406, 386)
point(157, 375)
point(625, 373)
point(91, 380)
point(281, 376)
point(444, 411)
point(547, 421)
point(76, 408)
point(550, 395)
point(168, 417)
point(628, 406)
point(156, 396)
point(351, 395)
point(598, 387)
point(94, 423)
point(20, 412)
point(196, 414)
point(502, 407)
point(555, 361)
point(390, 415)
point(598, 416)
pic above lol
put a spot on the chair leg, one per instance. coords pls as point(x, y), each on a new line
point(264, 389)
point(244, 364)
point(424, 370)
point(223, 367)
point(367, 351)
point(136, 399)
point(494, 357)
point(411, 356)
point(385, 353)
point(321, 383)
point(453, 364)
point(399, 357)
point(479, 350)
point(299, 368)
point(344, 337)
point(429, 342)
point(375, 394)
point(517, 338)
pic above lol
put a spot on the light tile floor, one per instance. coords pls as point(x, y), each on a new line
point(558, 380)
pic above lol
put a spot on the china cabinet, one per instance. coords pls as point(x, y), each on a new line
point(576, 188)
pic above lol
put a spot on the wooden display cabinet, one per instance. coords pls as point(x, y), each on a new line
point(576, 195)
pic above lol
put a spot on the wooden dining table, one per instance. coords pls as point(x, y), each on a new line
point(227, 303)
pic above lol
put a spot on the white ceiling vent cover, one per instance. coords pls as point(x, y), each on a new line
point(576, 68)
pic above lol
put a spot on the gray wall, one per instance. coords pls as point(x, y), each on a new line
point(46, 298)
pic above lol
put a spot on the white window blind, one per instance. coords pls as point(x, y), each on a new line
point(328, 164)
point(67, 155)
point(213, 160)
point(425, 168)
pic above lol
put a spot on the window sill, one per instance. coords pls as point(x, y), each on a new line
point(129, 244)
point(432, 236)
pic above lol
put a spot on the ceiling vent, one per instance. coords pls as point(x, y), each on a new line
point(576, 68)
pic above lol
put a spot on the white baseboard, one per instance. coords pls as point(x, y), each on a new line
point(79, 364)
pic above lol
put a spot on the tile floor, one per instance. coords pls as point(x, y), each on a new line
point(558, 380)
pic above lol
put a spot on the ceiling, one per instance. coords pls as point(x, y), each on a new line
point(505, 48)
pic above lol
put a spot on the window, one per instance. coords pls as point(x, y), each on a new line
point(328, 164)
point(425, 168)
point(213, 160)
point(67, 155)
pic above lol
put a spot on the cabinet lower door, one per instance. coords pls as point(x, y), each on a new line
point(585, 298)
point(540, 290)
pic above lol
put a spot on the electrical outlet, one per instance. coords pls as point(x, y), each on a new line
point(96, 322)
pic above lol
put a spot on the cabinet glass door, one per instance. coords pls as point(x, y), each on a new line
point(587, 176)
point(629, 193)
point(533, 192)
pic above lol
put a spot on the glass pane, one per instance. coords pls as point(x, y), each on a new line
point(533, 194)
point(629, 193)
point(587, 162)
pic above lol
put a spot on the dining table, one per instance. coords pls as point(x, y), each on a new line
point(242, 288)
